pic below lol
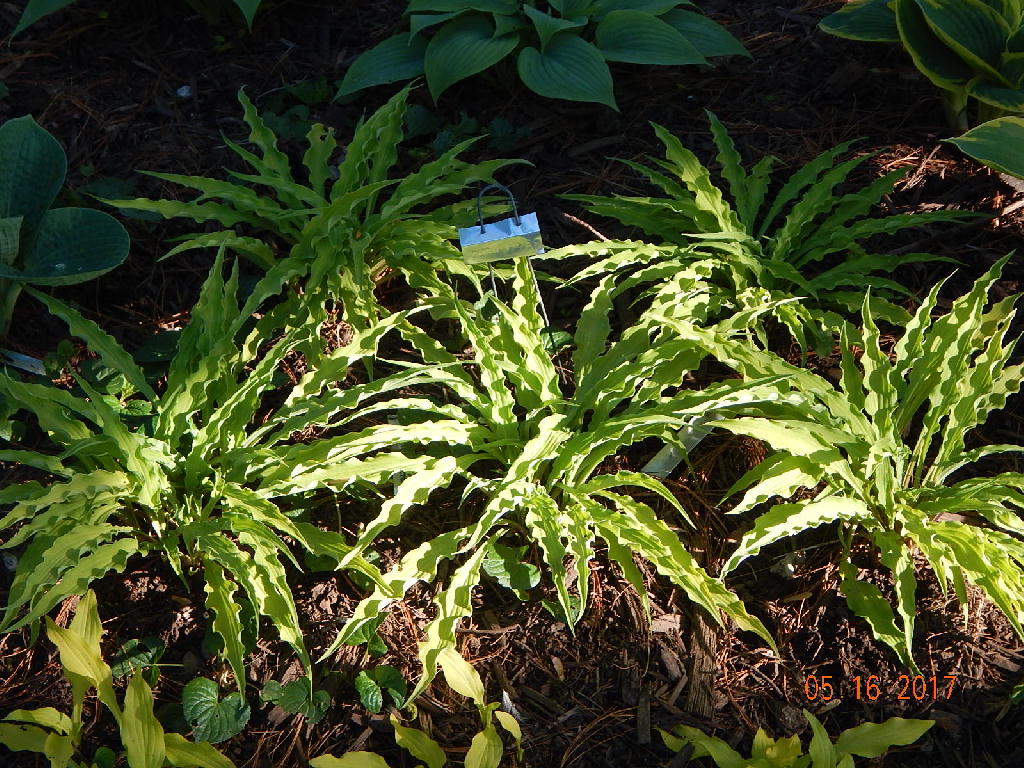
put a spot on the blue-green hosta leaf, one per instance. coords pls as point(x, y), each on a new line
point(709, 37)
point(461, 48)
point(869, 20)
point(34, 167)
point(784, 520)
point(394, 59)
point(570, 69)
point(547, 26)
point(71, 245)
point(212, 718)
point(996, 144)
point(637, 37)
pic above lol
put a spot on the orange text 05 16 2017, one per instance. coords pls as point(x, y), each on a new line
point(873, 687)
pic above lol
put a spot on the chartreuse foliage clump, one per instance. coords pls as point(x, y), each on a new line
point(344, 220)
point(58, 737)
point(888, 454)
point(182, 485)
point(806, 242)
point(971, 49)
point(866, 740)
point(526, 450)
point(40, 245)
point(561, 47)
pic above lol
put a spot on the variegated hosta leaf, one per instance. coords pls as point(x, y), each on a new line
point(784, 520)
point(636, 525)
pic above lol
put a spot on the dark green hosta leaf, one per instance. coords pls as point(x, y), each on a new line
point(547, 26)
point(706, 35)
point(248, 9)
point(868, 20)
point(33, 166)
point(571, 8)
point(570, 68)
point(999, 144)
point(446, 6)
point(294, 697)
point(461, 48)
point(397, 58)
point(636, 37)
point(971, 28)
point(936, 62)
point(601, 8)
point(213, 719)
point(37, 9)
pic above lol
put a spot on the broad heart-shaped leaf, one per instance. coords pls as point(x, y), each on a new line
point(869, 20)
point(248, 9)
point(873, 739)
point(71, 245)
point(636, 37)
point(33, 166)
point(706, 35)
point(445, 6)
point(34, 11)
point(570, 9)
point(999, 144)
point(212, 719)
point(971, 28)
point(461, 48)
point(570, 69)
point(397, 58)
point(601, 8)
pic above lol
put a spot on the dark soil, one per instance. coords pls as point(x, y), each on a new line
point(106, 85)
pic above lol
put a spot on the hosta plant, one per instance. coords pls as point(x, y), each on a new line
point(561, 47)
point(58, 737)
point(887, 455)
point(210, 9)
point(180, 485)
point(528, 458)
point(40, 245)
point(866, 740)
point(806, 241)
point(343, 219)
point(971, 49)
